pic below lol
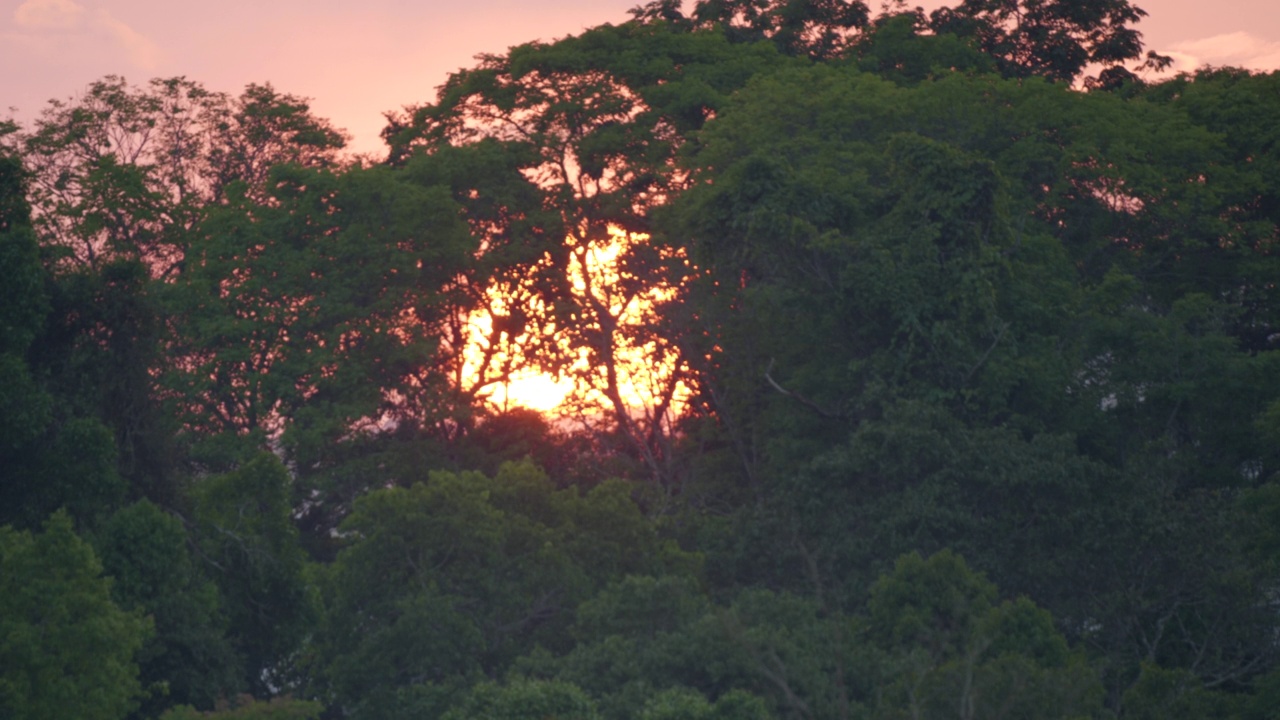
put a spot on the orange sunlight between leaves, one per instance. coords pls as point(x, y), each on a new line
point(645, 372)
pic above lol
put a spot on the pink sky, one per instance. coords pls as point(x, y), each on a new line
point(359, 59)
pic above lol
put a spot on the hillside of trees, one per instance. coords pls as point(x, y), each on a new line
point(965, 402)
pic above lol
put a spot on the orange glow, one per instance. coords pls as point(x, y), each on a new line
point(645, 370)
point(526, 387)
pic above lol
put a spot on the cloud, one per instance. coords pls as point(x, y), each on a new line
point(48, 15)
point(142, 52)
point(63, 30)
point(1238, 49)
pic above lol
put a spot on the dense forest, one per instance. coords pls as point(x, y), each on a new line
point(961, 352)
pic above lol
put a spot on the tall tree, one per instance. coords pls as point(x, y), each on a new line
point(1053, 39)
point(595, 122)
point(122, 171)
point(119, 177)
point(25, 406)
point(820, 29)
point(982, 278)
point(53, 451)
point(1217, 236)
point(324, 306)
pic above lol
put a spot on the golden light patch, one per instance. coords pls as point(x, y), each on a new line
point(642, 368)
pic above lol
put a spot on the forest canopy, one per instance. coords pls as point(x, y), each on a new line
point(919, 365)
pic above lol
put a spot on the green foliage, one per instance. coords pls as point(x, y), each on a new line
point(53, 457)
point(676, 704)
point(71, 466)
point(245, 534)
point(1163, 693)
point(453, 578)
point(943, 648)
point(525, 700)
point(821, 29)
point(938, 319)
point(932, 604)
point(99, 354)
point(189, 659)
point(1054, 39)
point(932, 302)
point(659, 643)
point(265, 353)
point(79, 472)
point(1233, 218)
point(1265, 698)
point(685, 704)
point(24, 406)
point(65, 648)
point(1261, 510)
point(934, 639)
point(119, 176)
point(123, 171)
point(896, 48)
point(23, 300)
point(596, 121)
point(248, 708)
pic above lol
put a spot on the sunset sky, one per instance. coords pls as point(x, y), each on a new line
point(360, 59)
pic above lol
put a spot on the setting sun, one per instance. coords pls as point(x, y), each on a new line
point(644, 368)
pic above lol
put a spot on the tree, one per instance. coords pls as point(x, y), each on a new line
point(65, 648)
point(25, 407)
point(943, 314)
point(596, 122)
point(119, 177)
point(525, 700)
point(1228, 221)
point(450, 580)
point(820, 29)
point(1053, 39)
point(25, 302)
point(247, 708)
point(53, 455)
point(888, 267)
point(1161, 693)
point(899, 47)
point(189, 660)
point(244, 531)
point(123, 171)
point(680, 704)
point(951, 651)
point(320, 313)
point(658, 643)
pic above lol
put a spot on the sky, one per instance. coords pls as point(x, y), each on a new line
point(357, 60)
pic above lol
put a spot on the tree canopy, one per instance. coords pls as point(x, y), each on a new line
point(922, 365)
